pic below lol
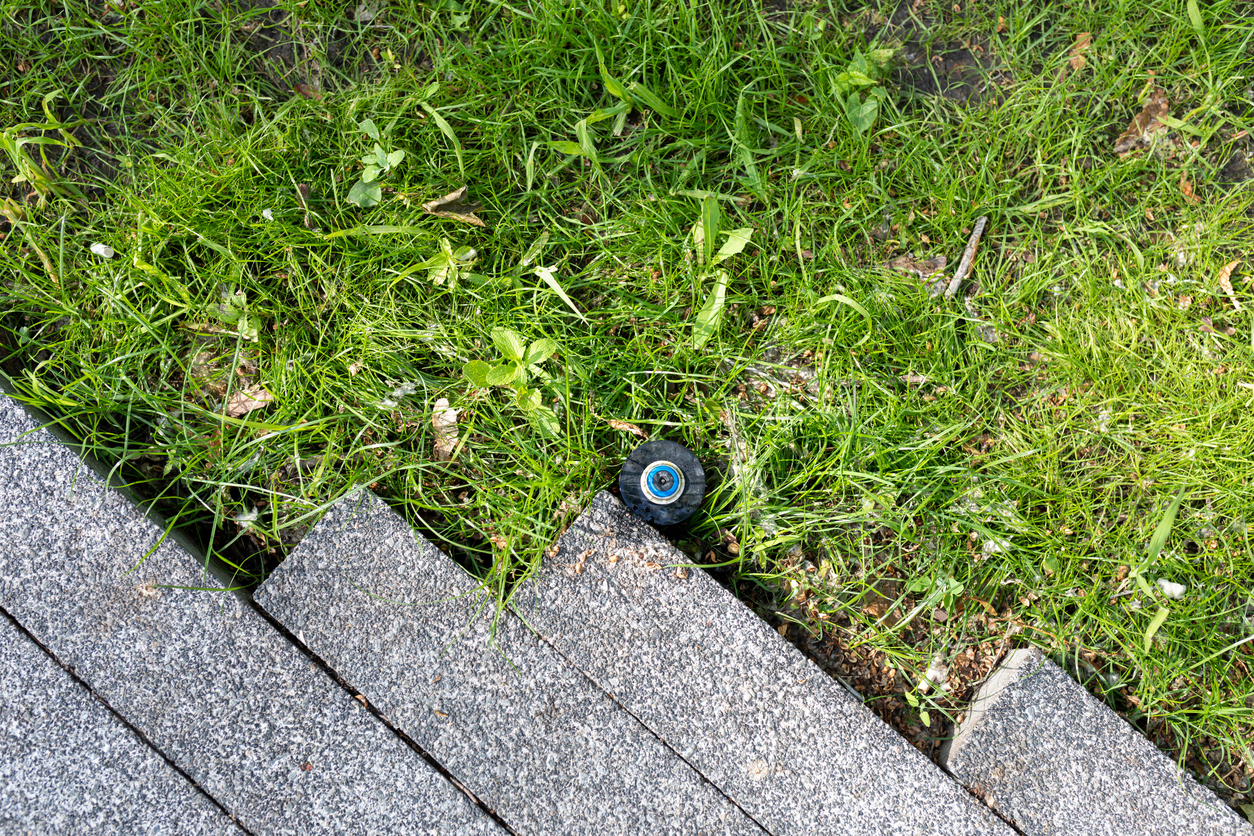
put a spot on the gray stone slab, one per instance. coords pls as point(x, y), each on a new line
point(1053, 759)
point(69, 765)
point(521, 729)
point(766, 726)
point(200, 674)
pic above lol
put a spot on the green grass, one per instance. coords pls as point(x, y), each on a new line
point(999, 456)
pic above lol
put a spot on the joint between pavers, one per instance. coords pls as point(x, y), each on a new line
point(143, 738)
point(343, 683)
point(714, 787)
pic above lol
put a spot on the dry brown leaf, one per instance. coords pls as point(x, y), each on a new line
point(1145, 125)
point(306, 91)
point(1186, 188)
point(1078, 49)
point(1225, 282)
point(444, 422)
point(246, 400)
point(627, 427)
point(354, 368)
point(920, 268)
point(1001, 24)
point(454, 206)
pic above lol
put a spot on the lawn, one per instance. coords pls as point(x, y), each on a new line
point(238, 264)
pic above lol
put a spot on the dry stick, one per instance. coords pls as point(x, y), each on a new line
point(964, 266)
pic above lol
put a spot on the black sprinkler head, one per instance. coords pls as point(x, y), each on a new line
point(662, 482)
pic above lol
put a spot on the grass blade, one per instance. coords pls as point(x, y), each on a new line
point(447, 130)
point(547, 275)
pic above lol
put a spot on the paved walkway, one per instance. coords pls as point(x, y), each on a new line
point(620, 695)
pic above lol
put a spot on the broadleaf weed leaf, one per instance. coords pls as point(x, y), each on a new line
point(476, 372)
point(502, 375)
point(510, 343)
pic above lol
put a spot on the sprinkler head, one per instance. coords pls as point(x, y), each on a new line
point(662, 482)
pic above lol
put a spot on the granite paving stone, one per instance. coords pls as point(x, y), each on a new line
point(1053, 759)
point(201, 675)
point(766, 726)
point(524, 731)
point(68, 765)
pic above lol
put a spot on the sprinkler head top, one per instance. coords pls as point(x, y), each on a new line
point(662, 482)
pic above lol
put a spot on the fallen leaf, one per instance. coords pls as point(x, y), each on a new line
point(627, 427)
point(1186, 188)
point(444, 422)
point(1225, 282)
point(920, 268)
point(929, 271)
point(454, 206)
point(1001, 24)
point(1078, 49)
point(354, 368)
point(246, 400)
point(307, 91)
point(1145, 125)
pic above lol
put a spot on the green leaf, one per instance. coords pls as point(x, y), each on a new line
point(911, 699)
point(249, 327)
point(528, 399)
point(546, 421)
point(1195, 17)
point(880, 56)
point(1163, 531)
point(861, 114)
point(851, 78)
point(447, 130)
point(585, 140)
point(502, 375)
point(510, 343)
point(919, 583)
point(708, 319)
point(365, 193)
point(565, 146)
point(602, 113)
point(370, 173)
point(476, 372)
point(736, 241)
point(380, 158)
point(710, 216)
point(649, 99)
point(368, 127)
point(744, 154)
point(926, 718)
point(612, 85)
point(541, 350)
point(547, 276)
point(1155, 623)
point(395, 158)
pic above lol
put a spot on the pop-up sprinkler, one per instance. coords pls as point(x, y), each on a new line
point(662, 482)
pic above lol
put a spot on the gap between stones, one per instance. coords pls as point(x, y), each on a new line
point(127, 723)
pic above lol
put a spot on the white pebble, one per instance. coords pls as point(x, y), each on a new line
point(1174, 591)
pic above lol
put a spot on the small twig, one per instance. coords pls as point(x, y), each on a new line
point(968, 255)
